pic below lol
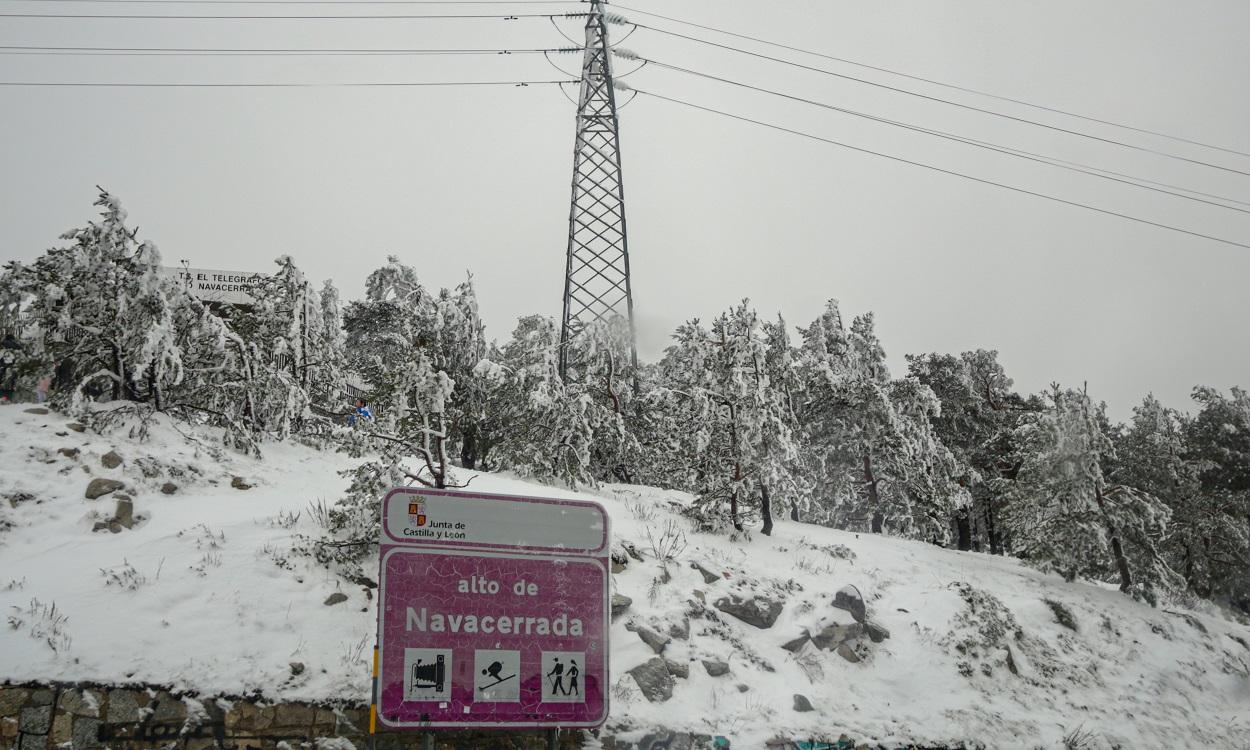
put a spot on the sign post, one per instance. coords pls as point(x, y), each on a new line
point(493, 611)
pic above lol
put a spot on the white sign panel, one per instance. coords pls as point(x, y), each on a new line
point(465, 519)
point(207, 285)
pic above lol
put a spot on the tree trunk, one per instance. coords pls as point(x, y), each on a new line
point(440, 457)
point(119, 368)
point(874, 500)
point(996, 544)
point(766, 510)
point(468, 448)
point(733, 442)
point(963, 525)
point(1117, 550)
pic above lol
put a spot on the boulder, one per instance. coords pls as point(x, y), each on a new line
point(125, 513)
point(69, 452)
point(654, 680)
point(337, 597)
point(620, 603)
point(848, 653)
point(297, 668)
point(76, 427)
point(169, 488)
point(877, 633)
point(677, 668)
point(836, 634)
point(36, 410)
point(680, 630)
point(802, 704)
point(797, 644)
point(111, 460)
point(849, 598)
point(666, 740)
point(759, 611)
point(708, 576)
point(99, 487)
point(654, 640)
point(715, 668)
point(239, 483)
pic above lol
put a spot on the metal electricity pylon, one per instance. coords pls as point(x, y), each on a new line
point(596, 278)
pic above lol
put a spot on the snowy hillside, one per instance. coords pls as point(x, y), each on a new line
point(204, 594)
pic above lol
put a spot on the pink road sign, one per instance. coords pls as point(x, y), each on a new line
point(493, 611)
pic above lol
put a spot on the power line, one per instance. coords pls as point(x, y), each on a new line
point(935, 82)
point(953, 173)
point(352, 84)
point(961, 105)
point(1019, 153)
point(227, 51)
point(316, 2)
point(369, 17)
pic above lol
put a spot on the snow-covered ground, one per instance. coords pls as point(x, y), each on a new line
point(204, 595)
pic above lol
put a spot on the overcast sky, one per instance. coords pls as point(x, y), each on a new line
point(456, 179)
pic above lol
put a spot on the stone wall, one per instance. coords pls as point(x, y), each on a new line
point(89, 717)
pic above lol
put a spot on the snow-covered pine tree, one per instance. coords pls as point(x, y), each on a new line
point(979, 412)
point(1217, 443)
point(546, 431)
point(459, 344)
point(326, 349)
point(603, 369)
point(275, 331)
point(874, 458)
point(738, 428)
point(385, 330)
point(1063, 514)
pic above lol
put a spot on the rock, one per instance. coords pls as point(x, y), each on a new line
point(743, 687)
point(698, 594)
point(76, 702)
point(297, 668)
point(125, 513)
point(76, 427)
point(677, 668)
point(169, 488)
point(239, 484)
point(715, 668)
point(654, 640)
point(337, 597)
point(122, 707)
point(758, 611)
point(618, 567)
point(708, 576)
point(86, 732)
point(100, 526)
point(680, 630)
point(802, 704)
point(876, 633)
point(836, 634)
point(35, 410)
point(1017, 662)
point(666, 740)
point(99, 487)
point(848, 653)
point(111, 460)
point(849, 598)
point(796, 645)
point(620, 603)
point(36, 720)
point(115, 527)
point(69, 452)
point(654, 680)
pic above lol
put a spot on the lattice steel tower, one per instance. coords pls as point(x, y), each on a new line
point(596, 278)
